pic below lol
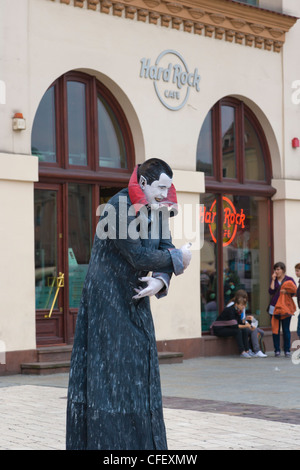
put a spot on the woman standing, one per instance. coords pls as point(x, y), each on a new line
point(278, 278)
point(297, 272)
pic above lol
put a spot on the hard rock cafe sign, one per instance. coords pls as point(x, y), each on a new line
point(171, 78)
point(231, 220)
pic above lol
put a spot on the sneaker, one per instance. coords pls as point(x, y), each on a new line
point(245, 355)
point(251, 353)
point(277, 353)
point(287, 354)
point(260, 354)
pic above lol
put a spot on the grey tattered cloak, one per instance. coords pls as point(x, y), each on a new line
point(114, 394)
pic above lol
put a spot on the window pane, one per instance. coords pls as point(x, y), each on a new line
point(45, 221)
point(228, 142)
point(249, 2)
point(208, 256)
point(43, 138)
point(254, 159)
point(205, 147)
point(76, 123)
point(112, 151)
point(245, 252)
point(80, 238)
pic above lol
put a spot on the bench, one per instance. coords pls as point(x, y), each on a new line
point(217, 346)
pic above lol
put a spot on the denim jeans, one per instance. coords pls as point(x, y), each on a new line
point(286, 336)
point(240, 335)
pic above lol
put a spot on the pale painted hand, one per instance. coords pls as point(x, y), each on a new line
point(153, 287)
point(186, 255)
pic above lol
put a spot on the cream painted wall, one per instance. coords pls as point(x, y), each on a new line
point(48, 39)
point(178, 315)
point(85, 39)
point(17, 311)
point(108, 46)
point(287, 199)
point(14, 71)
point(286, 227)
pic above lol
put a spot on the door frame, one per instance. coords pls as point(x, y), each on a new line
point(61, 173)
point(56, 323)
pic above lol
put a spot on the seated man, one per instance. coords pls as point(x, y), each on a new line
point(254, 331)
point(229, 323)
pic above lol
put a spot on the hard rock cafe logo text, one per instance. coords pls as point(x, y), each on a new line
point(231, 220)
point(171, 78)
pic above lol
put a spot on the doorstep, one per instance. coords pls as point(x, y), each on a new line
point(56, 359)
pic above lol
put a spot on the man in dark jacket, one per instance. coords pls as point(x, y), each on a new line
point(229, 323)
point(114, 394)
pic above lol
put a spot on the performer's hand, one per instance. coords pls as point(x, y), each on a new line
point(153, 287)
point(186, 255)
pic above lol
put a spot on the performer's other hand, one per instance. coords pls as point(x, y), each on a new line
point(186, 255)
point(153, 287)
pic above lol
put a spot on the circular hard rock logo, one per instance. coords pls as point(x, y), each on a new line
point(171, 78)
point(231, 220)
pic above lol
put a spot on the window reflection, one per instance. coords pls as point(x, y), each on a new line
point(80, 238)
point(112, 151)
point(228, 141)
point(242, 240)
point(45, 219)
point(244, 237)
point(88, 123)
point(77, 142)
point(205, 148)
point(43, 139)
point(208, 256)
point(254, 160)
point(249, 2)
point(246, 258)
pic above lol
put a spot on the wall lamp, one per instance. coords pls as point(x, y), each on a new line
point(19, 123)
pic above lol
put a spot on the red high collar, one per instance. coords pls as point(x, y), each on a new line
point(138, 199)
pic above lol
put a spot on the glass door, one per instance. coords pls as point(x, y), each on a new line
point(65, 223)
point(79, 245)
point(49, 272)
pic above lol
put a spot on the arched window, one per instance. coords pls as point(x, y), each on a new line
point(79, 124)
point(236, 210)
point(86, 154)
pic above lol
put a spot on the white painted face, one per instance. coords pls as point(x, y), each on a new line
point(157, 190)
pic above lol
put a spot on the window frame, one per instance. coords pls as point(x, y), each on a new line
point(219, 184)
point(62, 169)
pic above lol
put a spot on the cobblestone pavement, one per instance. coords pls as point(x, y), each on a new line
point(209, 404)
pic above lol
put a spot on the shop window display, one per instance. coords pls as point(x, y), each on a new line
point(235, 210)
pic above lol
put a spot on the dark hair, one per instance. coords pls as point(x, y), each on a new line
point(240, 299)
point(297, 266)
point(152, 169)
point(241, 293)
point(279, 265)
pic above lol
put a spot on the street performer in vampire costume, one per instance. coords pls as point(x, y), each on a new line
point(114, 393)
